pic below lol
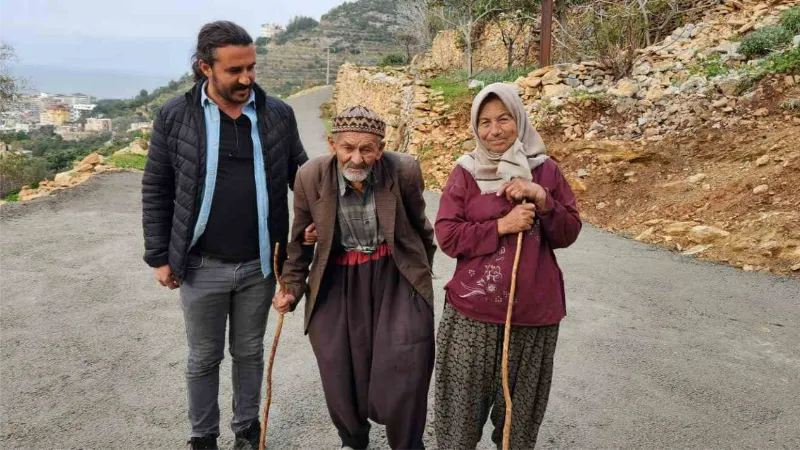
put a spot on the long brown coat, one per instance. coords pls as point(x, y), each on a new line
point(401, 216)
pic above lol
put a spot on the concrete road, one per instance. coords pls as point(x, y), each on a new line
point(658, 350)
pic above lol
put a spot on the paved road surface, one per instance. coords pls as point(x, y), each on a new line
point(659, 351)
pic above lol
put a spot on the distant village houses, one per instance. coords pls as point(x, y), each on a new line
point(98, 125)
point(269, 30)
point(55, 115)
point(141, 126)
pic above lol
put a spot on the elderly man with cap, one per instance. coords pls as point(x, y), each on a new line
point(367, 281)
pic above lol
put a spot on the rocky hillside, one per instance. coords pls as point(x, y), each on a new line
point(360, 32)
point(693, 151)
point(144, 106)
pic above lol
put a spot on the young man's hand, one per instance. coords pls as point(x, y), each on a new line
point(310, 236)
point(166, 278)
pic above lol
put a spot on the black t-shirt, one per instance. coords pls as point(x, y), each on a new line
point(232, 229)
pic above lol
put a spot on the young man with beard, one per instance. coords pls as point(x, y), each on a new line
point(369, 293)
point(214, 196)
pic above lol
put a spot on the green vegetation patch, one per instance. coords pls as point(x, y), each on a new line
point(129, 161)
point(790, 19)
point(12, 196)
point(393, 59)
point(454, 88)
point(711, 67)
point(763, 41)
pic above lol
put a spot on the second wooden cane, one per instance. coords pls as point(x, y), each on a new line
point(507, 341)
point(262, 442)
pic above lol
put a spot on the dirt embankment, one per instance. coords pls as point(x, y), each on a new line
point(720, 193)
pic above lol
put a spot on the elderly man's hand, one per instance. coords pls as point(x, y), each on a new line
point(283, 301)
point(310, 236)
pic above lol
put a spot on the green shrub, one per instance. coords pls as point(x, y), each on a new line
point(12, 196)
point(787, 62)
point(17, 170)
point(393, 59)
point(710, 67)
point(261, 50)
point(790, 19)
point(503, 76)
point(282, 38)
point(129, 161)
point(764, 41)
point(793, 104)
point(301, 23)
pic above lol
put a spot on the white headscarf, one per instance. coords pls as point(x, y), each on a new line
point(491, 170)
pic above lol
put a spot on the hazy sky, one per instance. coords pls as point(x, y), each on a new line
point(149, 37)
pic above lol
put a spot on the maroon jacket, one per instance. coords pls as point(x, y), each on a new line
point(466, 228)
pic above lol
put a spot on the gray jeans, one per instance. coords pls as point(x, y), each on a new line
point(213, 293)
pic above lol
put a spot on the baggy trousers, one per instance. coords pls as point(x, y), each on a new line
point(373, 338)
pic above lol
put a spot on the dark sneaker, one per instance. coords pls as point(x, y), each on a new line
point(203, 443)
point(248, 439)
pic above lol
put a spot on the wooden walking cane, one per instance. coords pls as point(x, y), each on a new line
point(506, 342)
point(262, 442)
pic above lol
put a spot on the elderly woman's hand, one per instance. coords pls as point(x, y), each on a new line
point(519, 189)
point(518, 220)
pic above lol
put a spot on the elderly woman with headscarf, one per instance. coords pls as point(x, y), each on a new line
point(480, 215)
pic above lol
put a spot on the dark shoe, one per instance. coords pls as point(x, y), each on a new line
point(203, 443)
point(248, 439)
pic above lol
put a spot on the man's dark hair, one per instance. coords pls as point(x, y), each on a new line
point(213, 36)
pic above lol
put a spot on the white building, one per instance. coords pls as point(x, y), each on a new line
point(98, 125)
point(269, 30)
point(84, 106)
point(82, 99)
point(144, 126)
point(80, 110)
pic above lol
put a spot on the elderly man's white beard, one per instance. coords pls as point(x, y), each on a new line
point(355, 175)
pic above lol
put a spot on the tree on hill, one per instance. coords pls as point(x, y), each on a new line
point(463, 16)
point(514, 18)
point(407, 40)
point(414, 20)
point(9, 86)
point(301, 23)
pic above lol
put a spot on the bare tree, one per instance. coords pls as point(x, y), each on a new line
point(9, 85)
point(463, 15)
point(414, 20)
point(514, 19)
point(407, 40)
point(613, 30)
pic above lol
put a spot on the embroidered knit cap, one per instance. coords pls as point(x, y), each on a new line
point(359, 119)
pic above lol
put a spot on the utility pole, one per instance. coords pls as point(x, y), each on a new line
point(328, 71)
point(546, 37)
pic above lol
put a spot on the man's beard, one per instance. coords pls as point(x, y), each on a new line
point(227, 93)
point(356, 174)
